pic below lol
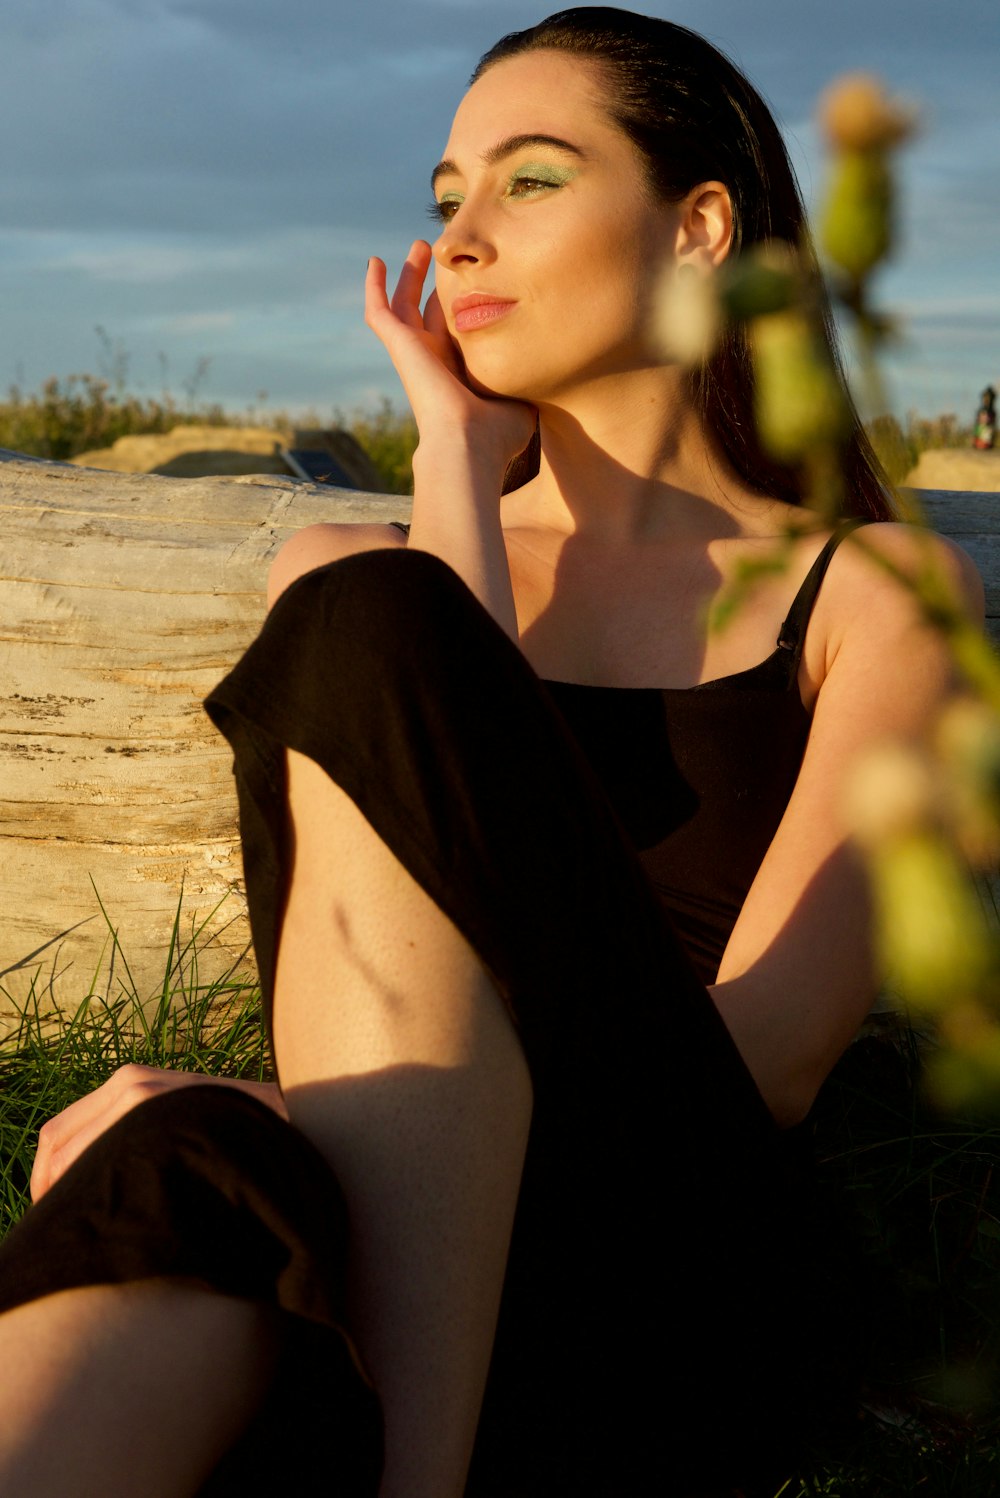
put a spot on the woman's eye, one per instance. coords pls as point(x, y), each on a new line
point(444, 211)
point(527, 187)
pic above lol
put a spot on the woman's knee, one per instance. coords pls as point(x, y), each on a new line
point(396, 602)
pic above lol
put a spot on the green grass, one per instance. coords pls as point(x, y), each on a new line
point(60, 1050)
point(920, 1194)
point(389, 437)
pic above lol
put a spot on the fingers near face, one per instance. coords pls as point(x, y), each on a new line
point(410, 285)
point(434, 318)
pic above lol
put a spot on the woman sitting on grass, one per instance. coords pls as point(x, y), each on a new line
point(558, 929)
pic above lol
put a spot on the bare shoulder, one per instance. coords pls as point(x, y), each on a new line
point(868, 615)
point(877, 562)
point(916, 552)
point(319, 544)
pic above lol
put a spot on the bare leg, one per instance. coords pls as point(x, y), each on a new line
point(398, 1059)
point(133, 1390)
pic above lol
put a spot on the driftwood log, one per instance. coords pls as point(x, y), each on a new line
point(973, 520)
point(123, 599)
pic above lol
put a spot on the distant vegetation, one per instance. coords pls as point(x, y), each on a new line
point(389, 437)
point(81, 412)
point(86, 411)
point(73, 415)
point(899, 448)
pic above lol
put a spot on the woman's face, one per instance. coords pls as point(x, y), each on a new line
point(552, 246)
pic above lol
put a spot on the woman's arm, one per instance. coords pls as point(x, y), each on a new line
point(799, 973)
point(466, 440)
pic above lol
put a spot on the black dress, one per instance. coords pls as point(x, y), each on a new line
point(666, 1324)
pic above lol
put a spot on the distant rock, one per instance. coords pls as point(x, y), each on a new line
point(956, 468)
point(193, 452)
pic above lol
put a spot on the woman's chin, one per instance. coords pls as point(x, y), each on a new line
point(497, 383)
point(486, 382)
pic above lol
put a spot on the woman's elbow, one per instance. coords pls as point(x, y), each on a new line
point(318, 545)
point(789, 1087)
point(301, 553)
point(792, 1106)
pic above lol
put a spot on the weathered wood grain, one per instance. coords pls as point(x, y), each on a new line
point(123, 599)
point(973, 520)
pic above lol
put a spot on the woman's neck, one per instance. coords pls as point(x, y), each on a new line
point(633, 464)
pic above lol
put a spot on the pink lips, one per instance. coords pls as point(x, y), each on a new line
point(478, 310)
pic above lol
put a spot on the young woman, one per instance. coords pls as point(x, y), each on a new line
point(557, 924)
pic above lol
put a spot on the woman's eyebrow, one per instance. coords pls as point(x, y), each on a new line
point(505, 148)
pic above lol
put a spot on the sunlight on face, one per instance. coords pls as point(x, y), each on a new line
point(552, 245)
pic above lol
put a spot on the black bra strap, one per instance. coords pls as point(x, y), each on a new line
point(793, 631)
point(401, 525)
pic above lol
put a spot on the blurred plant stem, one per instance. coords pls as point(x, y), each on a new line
point(924, 815)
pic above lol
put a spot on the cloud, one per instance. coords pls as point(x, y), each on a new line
point(197, 323)
point(215, 172)
point(976, 306)
point(130, 115)
point(134, 114)
point(315, 259)
point(142, 264)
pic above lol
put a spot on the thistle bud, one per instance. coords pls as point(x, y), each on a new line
point(763, 280)
point(862, 125)
point(688, 317)
point(856, 229)
point(967, 740)
point(891, 792)
point(856, 114)
point(799, 405)
point(965, 1071)
point(931, 932)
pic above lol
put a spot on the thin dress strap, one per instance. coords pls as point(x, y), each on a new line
point(792, 634)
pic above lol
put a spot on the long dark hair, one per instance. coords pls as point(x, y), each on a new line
point(695, 117)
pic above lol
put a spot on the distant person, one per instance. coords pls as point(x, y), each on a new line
point(984, 432)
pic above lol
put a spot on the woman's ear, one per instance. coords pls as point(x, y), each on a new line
point(705, 231)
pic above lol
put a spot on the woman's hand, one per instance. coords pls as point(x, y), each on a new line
point(68, 1134)
point(429, 363)
point(466, 439)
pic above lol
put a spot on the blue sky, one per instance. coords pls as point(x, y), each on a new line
point(205, 179)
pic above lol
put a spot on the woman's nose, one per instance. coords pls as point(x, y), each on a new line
point(463, 240)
